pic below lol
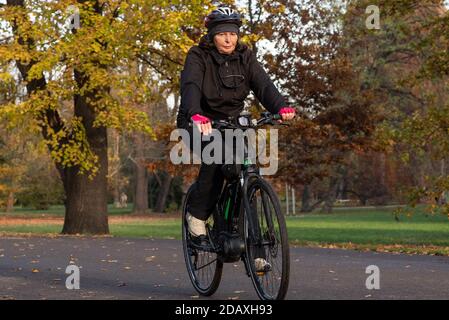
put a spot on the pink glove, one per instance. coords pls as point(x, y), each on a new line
point(199, 119)
point(287, 110)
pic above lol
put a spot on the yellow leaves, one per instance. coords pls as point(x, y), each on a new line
point(185, 47)
point(3, 188)
point(6, 77)
point(70, 147)
point(15, 51)
point(100, 49)
point(251, 38)
point(47, 63)
point(124, 119)
point(96, 47)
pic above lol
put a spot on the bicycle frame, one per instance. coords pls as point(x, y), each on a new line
point(233, 199)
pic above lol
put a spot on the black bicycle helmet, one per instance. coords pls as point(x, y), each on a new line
point(222, 15)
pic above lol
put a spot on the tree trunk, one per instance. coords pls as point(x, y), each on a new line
point(86, 201)
point(141, 189)
point(383, 169)
point(116, 194)
point(293, 201)
point(305, 200)
point(10, 202)
point(363, 201)
point(163, 193)
point(116, 177)
point(331, 196)
point(141, 178)
point(86, 198)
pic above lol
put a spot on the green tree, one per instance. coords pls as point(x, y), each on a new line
point(70, 74)
point(337, 114)
point(404, 65)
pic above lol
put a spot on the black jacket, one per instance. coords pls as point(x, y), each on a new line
point(216, 85)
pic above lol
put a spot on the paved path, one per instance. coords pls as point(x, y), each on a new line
point(118, 268)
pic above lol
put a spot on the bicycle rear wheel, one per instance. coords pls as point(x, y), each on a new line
point(268, 241)
point(204, 267)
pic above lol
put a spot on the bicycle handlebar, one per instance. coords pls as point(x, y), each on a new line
point(266, 118)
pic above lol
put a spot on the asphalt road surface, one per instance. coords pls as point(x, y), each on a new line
point(118, 268)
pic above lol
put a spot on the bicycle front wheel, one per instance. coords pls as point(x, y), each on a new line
point(204, 267)
point(267, 240)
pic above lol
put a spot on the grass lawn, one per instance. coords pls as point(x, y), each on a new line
point(374, 230)
point(58, 211)
point(370, 229)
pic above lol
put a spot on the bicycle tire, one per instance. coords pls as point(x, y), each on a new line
point(212, 282)
point(280, 240)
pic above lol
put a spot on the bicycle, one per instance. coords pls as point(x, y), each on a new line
point(247, 223)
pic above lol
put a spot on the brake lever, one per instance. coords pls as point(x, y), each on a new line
point(278, 122)
point(220, 125)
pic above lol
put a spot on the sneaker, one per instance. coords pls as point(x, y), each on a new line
point(262, 265)
point(196, 226)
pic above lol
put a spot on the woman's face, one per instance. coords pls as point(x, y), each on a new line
point(226, 42)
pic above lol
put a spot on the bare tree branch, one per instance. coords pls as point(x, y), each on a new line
point(152, 65)
point(132, 159)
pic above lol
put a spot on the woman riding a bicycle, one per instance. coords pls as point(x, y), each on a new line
point(217, 77)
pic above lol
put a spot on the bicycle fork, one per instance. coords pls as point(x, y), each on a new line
point(254, 232)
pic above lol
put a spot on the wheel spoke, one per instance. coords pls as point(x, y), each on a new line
point(204, 267)
point(269, 284)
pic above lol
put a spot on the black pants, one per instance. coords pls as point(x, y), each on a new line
point(208, 186)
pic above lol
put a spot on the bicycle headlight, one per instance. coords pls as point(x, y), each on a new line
point(243, 121)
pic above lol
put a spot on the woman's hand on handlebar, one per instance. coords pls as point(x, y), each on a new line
point(287, 113)
point(203, 124)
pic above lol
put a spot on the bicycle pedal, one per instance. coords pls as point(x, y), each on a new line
point(263, 272)
point(266, 268)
